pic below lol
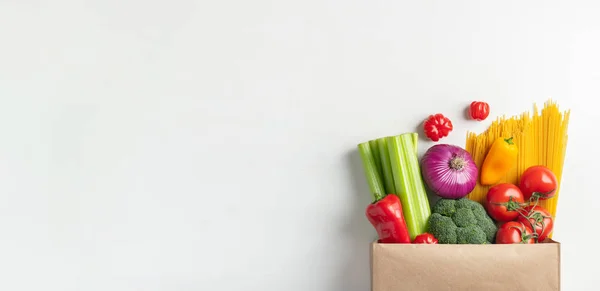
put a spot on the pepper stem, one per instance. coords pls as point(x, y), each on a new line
point(509, 140)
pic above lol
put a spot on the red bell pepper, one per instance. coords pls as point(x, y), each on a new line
point(437, 126)
point(479, 110)
point(385, 214)
point(425, 238)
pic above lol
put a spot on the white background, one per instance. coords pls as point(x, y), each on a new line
point(211, 145)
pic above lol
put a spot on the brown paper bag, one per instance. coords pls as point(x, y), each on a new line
point(440, 267)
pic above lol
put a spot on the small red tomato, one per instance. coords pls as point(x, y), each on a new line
point(503, 202)
point(538, 182)
point(425, 238)
point(479, 110)
point(437, 126)
point(514, 232)
point(539, 219)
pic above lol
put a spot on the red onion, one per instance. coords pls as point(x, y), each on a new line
point(449, 171)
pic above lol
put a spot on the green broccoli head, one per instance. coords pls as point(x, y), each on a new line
point(445, 207)
point(443, 228)
point(471, 234)
point(461, 221)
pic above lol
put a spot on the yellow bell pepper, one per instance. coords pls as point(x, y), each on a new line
point(499, 160)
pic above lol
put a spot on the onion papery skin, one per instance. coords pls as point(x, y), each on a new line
point(449, 171)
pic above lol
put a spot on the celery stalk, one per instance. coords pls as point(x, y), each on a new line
point(386, 167)
point(415, 138)
point(408, 183)
point(371, 172)
point(375, 151)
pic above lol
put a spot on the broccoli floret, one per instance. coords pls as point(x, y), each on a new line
point(466, 203)
point(483, 219)
point(464, 217)
point(471, 234)
point(461, 221)
point(445, 207)
point(485, 223)
point(443, 228)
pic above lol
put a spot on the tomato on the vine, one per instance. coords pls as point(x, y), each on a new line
point(514, 232)
point(539, 219)
point(503, 202)
point(538, 182)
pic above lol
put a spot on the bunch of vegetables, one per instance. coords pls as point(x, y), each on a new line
point(392, 171)
point(400, 210)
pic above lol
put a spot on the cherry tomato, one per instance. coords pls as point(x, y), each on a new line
point(539, 219)
point(479, 110)
point(503, 202)
point(538, 182)
point(425, 238)
point(514, 232)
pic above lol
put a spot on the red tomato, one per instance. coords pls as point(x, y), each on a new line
point(503, 202)
point(538, 182)
point(514, 232)
point(425, 238)
point(539, 219)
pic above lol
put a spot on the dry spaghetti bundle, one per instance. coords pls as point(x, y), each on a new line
point(541, 138)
